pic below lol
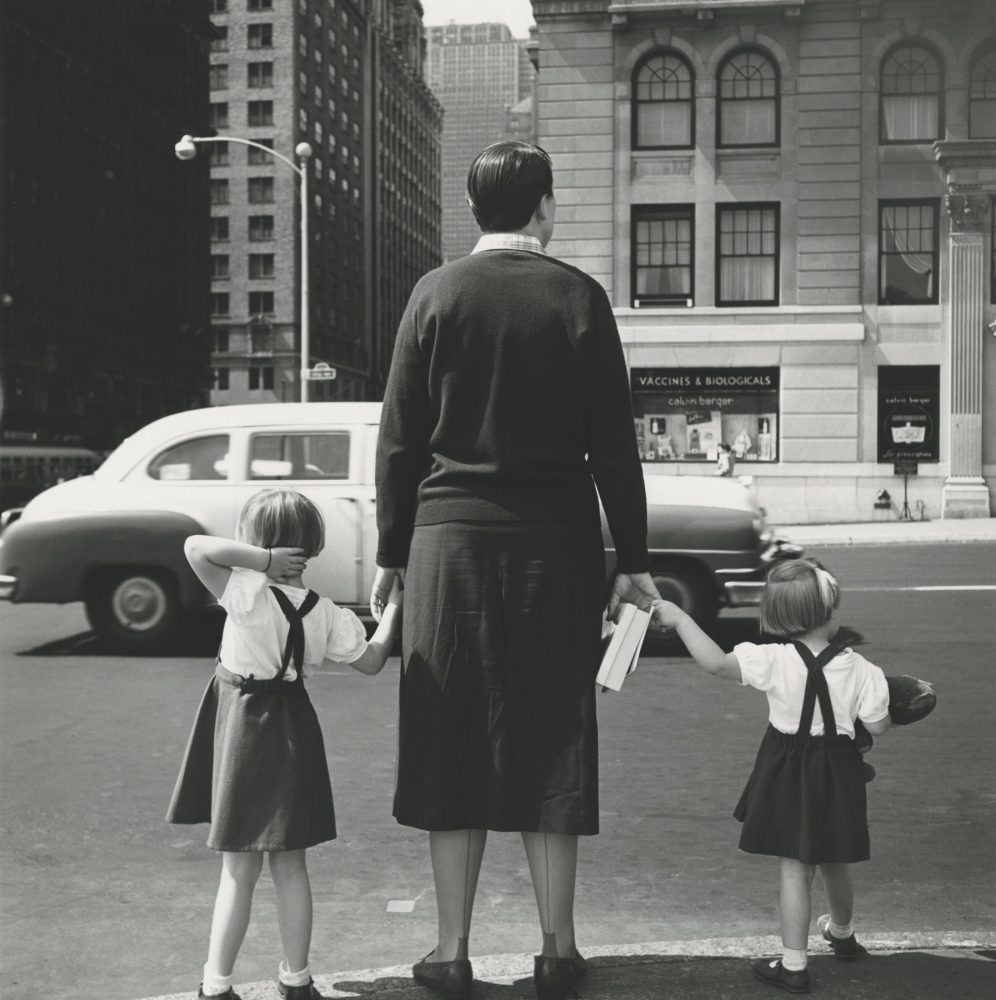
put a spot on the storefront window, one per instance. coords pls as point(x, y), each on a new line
point(683, 414)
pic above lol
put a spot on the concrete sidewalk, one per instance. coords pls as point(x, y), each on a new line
point(905, 967)
point(893, 532)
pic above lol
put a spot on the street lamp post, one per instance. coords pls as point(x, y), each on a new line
point(186, 149)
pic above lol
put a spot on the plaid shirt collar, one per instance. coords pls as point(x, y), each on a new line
point(508, 241)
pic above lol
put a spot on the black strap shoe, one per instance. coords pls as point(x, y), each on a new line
point(772, 972)
point(452, 980)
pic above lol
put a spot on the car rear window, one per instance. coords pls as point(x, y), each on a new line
point(313, 455)
point(201, 458)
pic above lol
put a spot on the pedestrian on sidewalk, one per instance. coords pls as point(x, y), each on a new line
point(724, 460)
point(255, 765)
point(506, 406)
point(805, 800)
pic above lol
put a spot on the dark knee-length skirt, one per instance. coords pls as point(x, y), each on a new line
point(255, 768)
point(501, 641)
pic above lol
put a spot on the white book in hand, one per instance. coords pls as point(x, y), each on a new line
point(622, 641)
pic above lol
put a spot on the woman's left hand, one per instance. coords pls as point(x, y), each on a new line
point(384, 581)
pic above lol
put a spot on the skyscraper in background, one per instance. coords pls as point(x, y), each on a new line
point(479, 73)
point(345, 77)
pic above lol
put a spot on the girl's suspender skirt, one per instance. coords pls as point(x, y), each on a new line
point(255, 765)
point(805, 798)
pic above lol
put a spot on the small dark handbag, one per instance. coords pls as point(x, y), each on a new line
point(910, 699)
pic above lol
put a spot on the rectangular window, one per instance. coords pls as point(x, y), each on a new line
point(260, 36)
point(260, 227)
point(684, 414)
point(907, 252)
point(218, 76)
point(219, 227)
point(256, 157)
point(219, 191)
point(260, 113)
point(260, 190)
point(219, 304)
point(260, 378)
point(219, 115)
point(663, 255)
point(259, 5)
point(219, 265)
point(299, 455)
point(260, 74)
point(747, 257)
point(218, 154)
point(221, 379)
point(261, 265)
point(219, 38)
point(219, 6)
point(261, 303)
point(221, 341)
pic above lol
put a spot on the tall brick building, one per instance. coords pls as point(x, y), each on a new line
point(479, 73)
point(345, 77)
point(103, 234)
point(790, 204)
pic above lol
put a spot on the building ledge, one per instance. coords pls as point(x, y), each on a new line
point(624, 7)
point(702, 325)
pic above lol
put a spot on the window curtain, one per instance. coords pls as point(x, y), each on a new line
point(747, 279)
point(748, 122)
point(910, 116)
point(897, 242)
point(664, 123)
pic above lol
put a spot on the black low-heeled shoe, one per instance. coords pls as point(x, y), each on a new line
point(555, 978)
point(452, 980)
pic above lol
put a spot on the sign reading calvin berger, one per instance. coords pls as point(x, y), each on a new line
point(908, 412)
point(682, 414)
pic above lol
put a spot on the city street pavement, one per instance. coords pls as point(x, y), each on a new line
point(921, 967)
point(911, 966)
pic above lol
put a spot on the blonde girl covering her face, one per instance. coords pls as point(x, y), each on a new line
point(255, 766)
point(805, 801)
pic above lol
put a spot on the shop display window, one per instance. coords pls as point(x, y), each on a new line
point(684, 414)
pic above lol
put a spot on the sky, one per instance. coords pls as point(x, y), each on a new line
point(517, 14)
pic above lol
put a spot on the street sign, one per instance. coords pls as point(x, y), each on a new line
point(322, 372)
point(905, 467)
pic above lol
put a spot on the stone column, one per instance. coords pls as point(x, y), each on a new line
point(965, 493)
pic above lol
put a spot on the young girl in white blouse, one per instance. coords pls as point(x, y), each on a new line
point(255, 765)
point(805, 799)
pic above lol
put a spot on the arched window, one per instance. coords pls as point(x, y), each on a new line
point(663, 103)
point(748, 100)
point(911, 89)
point(982, 93)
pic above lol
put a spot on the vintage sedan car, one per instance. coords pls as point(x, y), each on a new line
point(114, 539)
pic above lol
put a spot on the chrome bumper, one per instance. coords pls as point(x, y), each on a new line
point(8, 584)
point(747, 593)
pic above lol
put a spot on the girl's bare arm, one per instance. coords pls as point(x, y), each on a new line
point(703, 650)
point(212, 559)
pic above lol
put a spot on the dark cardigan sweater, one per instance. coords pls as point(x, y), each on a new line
point(508, 399)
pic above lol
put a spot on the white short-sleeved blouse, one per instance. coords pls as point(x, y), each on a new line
point(858, 689)
point(256, 630)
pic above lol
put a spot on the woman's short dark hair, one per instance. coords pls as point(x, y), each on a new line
point(505, 185)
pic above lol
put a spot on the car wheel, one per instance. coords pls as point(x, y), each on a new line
point(134, 609)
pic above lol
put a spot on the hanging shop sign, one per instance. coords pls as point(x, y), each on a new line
point(684, 414)
point(908, 412)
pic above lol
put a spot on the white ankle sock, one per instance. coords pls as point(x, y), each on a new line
point(840, 931)
point(214, 985)
point(794, 959)
point(289, 978)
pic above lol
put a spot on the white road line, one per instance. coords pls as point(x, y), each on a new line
point(925, 589)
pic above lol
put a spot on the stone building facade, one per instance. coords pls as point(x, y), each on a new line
point(790, 204)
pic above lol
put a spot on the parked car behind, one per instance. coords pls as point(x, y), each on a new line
point(114, 539)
